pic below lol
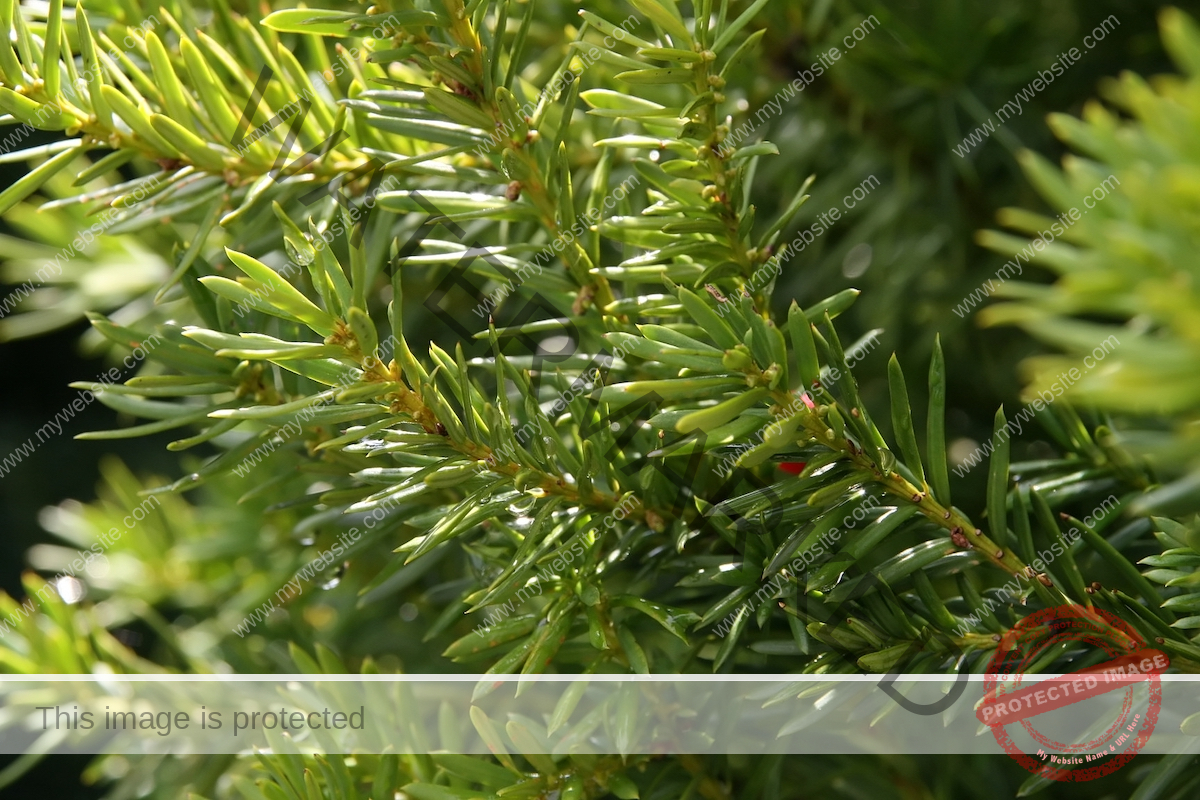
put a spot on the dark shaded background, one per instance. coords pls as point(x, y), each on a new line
point(36, 373)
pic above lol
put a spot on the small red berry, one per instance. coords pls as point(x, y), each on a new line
point(793, 467)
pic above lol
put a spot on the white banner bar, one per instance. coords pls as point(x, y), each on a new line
point(1072, 716)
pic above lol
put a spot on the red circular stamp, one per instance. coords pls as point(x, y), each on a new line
point(1010, 700)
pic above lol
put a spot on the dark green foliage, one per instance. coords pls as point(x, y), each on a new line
point(529, 361)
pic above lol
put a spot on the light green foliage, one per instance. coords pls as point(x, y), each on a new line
point(1123, 299)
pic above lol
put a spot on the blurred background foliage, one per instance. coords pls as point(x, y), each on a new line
point(894, 107)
